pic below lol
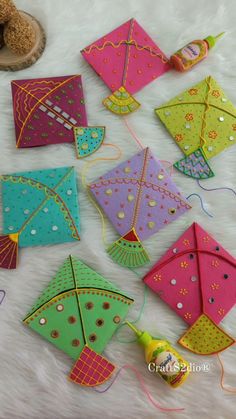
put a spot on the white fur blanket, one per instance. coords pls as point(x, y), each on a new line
point(33, 373)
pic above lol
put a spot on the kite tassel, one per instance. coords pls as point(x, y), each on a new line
point(121, 102)
point(204, 337)
point(88, 140)
point(9, 251)
point(128, 251)
point(84, 372)
point(195, 165)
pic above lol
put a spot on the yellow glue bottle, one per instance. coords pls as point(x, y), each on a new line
point(162, 358)
point(185, 58)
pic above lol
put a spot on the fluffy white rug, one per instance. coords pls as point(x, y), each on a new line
point(33, 380)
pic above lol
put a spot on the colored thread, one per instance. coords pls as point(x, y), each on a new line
point(2, 296)
point(201, 201)
point(226, 188)
point(170, 165)
point(143, 387)
point(207, 106)
point(138, 141)
point(229, 389)
point(137, 319)
point(83, 178)
point(125, 42)
point(127, 54)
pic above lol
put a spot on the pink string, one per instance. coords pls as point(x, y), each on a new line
point(138, 141)
point(170, 165)
point(216, 189)
point(143, 387)
point(201, 201)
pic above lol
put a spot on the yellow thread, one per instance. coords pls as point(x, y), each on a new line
point(139, 194)
point(128, 55)
point(83, 177)
point(123, 41)
point(195, 103)
point(44, 104)
point(207, 106)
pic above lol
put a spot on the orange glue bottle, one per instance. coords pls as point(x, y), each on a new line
point(194, 52)
point(162, 358)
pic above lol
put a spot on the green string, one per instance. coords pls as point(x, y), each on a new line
point(139, 315)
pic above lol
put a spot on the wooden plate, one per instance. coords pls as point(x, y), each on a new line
point(13, 62)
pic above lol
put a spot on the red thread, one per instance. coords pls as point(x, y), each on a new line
point(143, 387)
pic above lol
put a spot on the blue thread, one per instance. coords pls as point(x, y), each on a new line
point(226, 188)
point(201, 201)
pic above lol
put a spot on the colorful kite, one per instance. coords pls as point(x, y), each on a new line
point(39, 208)
point(126, 59)
point(139, 198)
point(196, 278)
point(52, 111)
point(79, 312)
point(202, 120)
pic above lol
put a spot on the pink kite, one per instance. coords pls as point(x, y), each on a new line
point(196, 278)
point(126, 59)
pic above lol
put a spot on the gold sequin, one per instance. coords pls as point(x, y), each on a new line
point(151, 224)
point(116, 319)
point(84, 146)
point(160, 176)
point(152, 203)
point(130, 197)
point(127, 169)
point(94, 134)
point(121, 214)
point(109, 192)
point(80, 131)
point(172, 211)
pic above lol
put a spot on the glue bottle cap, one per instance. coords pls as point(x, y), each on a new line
point(144, 338)
point(211, 40)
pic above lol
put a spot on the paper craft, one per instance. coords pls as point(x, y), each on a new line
point(39, 208)
point(196, 278)
point(78, 312)
point(52, 111)
point(126, 59)
point(202, 121)
point(139, 198)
